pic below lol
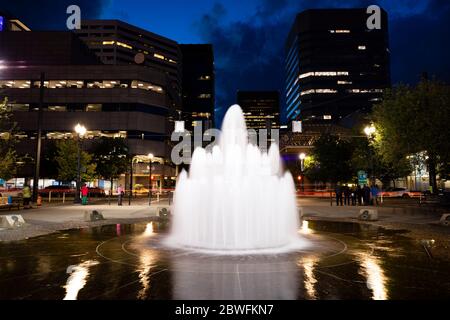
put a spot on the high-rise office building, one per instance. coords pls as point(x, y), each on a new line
point(334, 65)
point(261, 108)
point(198, 84)
point(119, 43)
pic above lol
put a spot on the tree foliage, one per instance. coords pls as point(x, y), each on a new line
point(411, 120)
point(112, 158)
point(67, 160)
point(331, 160)
point(8, 157)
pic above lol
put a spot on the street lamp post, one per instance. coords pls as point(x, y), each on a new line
point(37, 164)
point(302, 157)
point(80, 130)
point(150, 157)
point(370, 131)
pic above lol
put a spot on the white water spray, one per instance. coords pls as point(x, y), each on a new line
point(236, 197)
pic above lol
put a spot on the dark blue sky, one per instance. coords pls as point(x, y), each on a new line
point(248, 35)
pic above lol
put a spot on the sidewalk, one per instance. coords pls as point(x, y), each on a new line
point(418, 221)
point(49, 219)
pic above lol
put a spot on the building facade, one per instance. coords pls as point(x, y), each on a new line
point(261, 109)
point(198, 85)
point(118, 101)
point(10, 23)
point(334, 65)
point(118, 43)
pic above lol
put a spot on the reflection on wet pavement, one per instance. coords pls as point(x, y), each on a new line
point(344, 261)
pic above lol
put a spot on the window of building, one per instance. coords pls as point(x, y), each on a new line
point(94, 107)
point(19, 107)
point(361, 47)
point(16, 84)
point(136, 84)
point(205, 96)
point(56, 108)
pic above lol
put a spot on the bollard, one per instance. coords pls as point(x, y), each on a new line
point(64, 197)
point(49, 197)
point(39, 201)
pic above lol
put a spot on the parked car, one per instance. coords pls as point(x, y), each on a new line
point(96, 192)
point(58, 191)
point(400, 193)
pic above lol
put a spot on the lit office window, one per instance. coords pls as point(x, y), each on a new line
point(361, 47)
point(323, 74)
point(16, 84)
point(136, 84)
point(159, 56)
point(56, 108)
point(307, 92)
point(124, 45)
point(326, 91)
point(344, 82)
point(94, 107)
point(204, 77)
point(17, 107)
point(205, 96)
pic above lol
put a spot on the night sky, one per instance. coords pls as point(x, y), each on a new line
point(249, 35)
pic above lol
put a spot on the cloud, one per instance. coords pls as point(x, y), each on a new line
point(249, 54)
point(51, 14)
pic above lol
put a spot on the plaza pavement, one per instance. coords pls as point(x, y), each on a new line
point(55, 217)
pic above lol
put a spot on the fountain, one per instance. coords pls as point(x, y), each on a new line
point(235, 198)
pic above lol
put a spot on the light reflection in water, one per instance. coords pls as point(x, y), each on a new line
point(376, 279)
point(77, 279)
point(147, 260)
point(305, 227)
point(309, 277)
point(148, 230)
point(216, 279)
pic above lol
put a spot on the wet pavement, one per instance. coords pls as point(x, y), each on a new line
point(128, 261)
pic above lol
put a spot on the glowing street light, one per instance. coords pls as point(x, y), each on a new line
point(80, 130)
point(302, 157)
point(370, 130)
point(150, 157)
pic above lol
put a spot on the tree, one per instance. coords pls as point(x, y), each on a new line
point(8, 157)
point(67, 160)
point(331, 160)
point(366, 157)
point(411, 120)
point(112, 158)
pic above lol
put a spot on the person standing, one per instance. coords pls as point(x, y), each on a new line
point(26, 195)
point(338, 192)
point(374, 192)
point(366, 195)
point(120, 194)
point(346, 195)
point(359, 194)
point(84, 195)
point(353, 194)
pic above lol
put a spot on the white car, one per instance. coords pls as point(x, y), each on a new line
point(399, 193)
